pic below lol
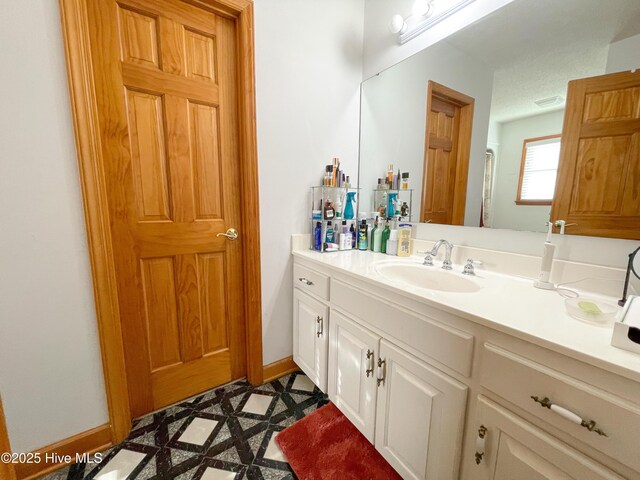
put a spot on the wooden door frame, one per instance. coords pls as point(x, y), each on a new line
point(7, 470)
point(75, 28)
point(466, 104)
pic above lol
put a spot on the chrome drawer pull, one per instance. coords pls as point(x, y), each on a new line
point(569, 415)
point(304, 280)
point(381, 371)
point(480, 439)
point(370, 362)
point(319, 326)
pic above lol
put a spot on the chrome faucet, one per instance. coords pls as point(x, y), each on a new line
point(446, 265)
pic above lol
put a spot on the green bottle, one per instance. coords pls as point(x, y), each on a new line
point(386, 233)
point(372, 234)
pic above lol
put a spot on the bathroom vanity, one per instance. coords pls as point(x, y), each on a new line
point(473, 377)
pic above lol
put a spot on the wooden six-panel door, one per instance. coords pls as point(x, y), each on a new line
point(598, 185)
point(446, 163)
point(165, 75)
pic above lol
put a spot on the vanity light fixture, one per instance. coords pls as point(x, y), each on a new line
point(424, 15)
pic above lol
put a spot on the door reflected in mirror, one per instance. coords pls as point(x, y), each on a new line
point(556, 126)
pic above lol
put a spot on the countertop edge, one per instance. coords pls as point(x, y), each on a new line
point(581, 356)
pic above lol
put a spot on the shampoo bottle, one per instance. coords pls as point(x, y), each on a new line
point(376, 240)
point(385, 237)
point(345, 237)
point(362, 235)
point(354, 235)
point(392, 243)
point(317, 237)
point(546, 263)
point(372, 235)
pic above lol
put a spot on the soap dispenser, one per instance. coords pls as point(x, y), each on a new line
point(546, 263)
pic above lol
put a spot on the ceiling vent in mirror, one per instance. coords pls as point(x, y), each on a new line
point(424, 15)
point(550, 102)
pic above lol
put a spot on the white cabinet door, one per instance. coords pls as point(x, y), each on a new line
point(352, 380)
point(420, 417)
point(310, 334)
point(515, 449)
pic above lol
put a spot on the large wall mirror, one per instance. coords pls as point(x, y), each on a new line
point(531, 114)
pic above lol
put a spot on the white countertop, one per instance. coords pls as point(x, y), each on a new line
point(505, 303)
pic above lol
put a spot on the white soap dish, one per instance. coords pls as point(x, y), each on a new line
point(591, 310)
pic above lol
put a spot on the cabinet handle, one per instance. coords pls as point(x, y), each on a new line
point(319, 326)
point(382, 371)
point(480, 439)
point(569, 415)
point(304, 280)
point(370, 362)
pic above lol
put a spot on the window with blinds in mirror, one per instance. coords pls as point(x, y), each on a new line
point(538, 170)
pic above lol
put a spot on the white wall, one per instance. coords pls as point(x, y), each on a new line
point(381, 48)
point(308, 74)
point(50, 369)
point(505, 212)
point(624, 55)
point(394, 116)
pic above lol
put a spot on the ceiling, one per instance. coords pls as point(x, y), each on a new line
point(537, 46)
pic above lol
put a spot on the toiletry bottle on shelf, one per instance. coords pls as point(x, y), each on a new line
point(362, 235)
point(329, 211)
point(385, 237)
point(390, 175)
point(349, 210)
point(354, 235)
point(345, 237)
point(404, 210)
point(317, 236)
point(391, 204)
point(405, 180)
point(372, 234)
point(404, 240)
point(338, 207)
point(376, 240)
point(330, 235)
point(546, 263)
point(392, 243)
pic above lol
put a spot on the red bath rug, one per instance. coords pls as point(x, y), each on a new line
point(325, 446)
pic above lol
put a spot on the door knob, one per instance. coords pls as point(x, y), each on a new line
point(231, 234)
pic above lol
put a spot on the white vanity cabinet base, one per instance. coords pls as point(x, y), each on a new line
point(353, 351)
point(310, 334)
point(419, 417)
point(517, 450)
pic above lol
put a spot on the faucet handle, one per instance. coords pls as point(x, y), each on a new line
point(428, 259)
point(468, 268)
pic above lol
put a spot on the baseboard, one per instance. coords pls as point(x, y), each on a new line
point(279, 368)
point(91, 441)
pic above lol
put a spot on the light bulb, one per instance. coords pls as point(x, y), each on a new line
point(397, 24)
point(421, 8)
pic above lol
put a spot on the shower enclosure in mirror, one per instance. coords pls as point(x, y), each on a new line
point(548, 126)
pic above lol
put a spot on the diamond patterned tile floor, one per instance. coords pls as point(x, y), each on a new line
point(223, 434)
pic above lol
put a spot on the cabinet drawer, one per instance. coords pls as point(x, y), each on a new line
point(311, 281)
point(516, 450)
point(445, 344)
point(518, 379)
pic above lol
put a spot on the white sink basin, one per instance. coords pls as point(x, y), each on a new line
point(432, 278)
